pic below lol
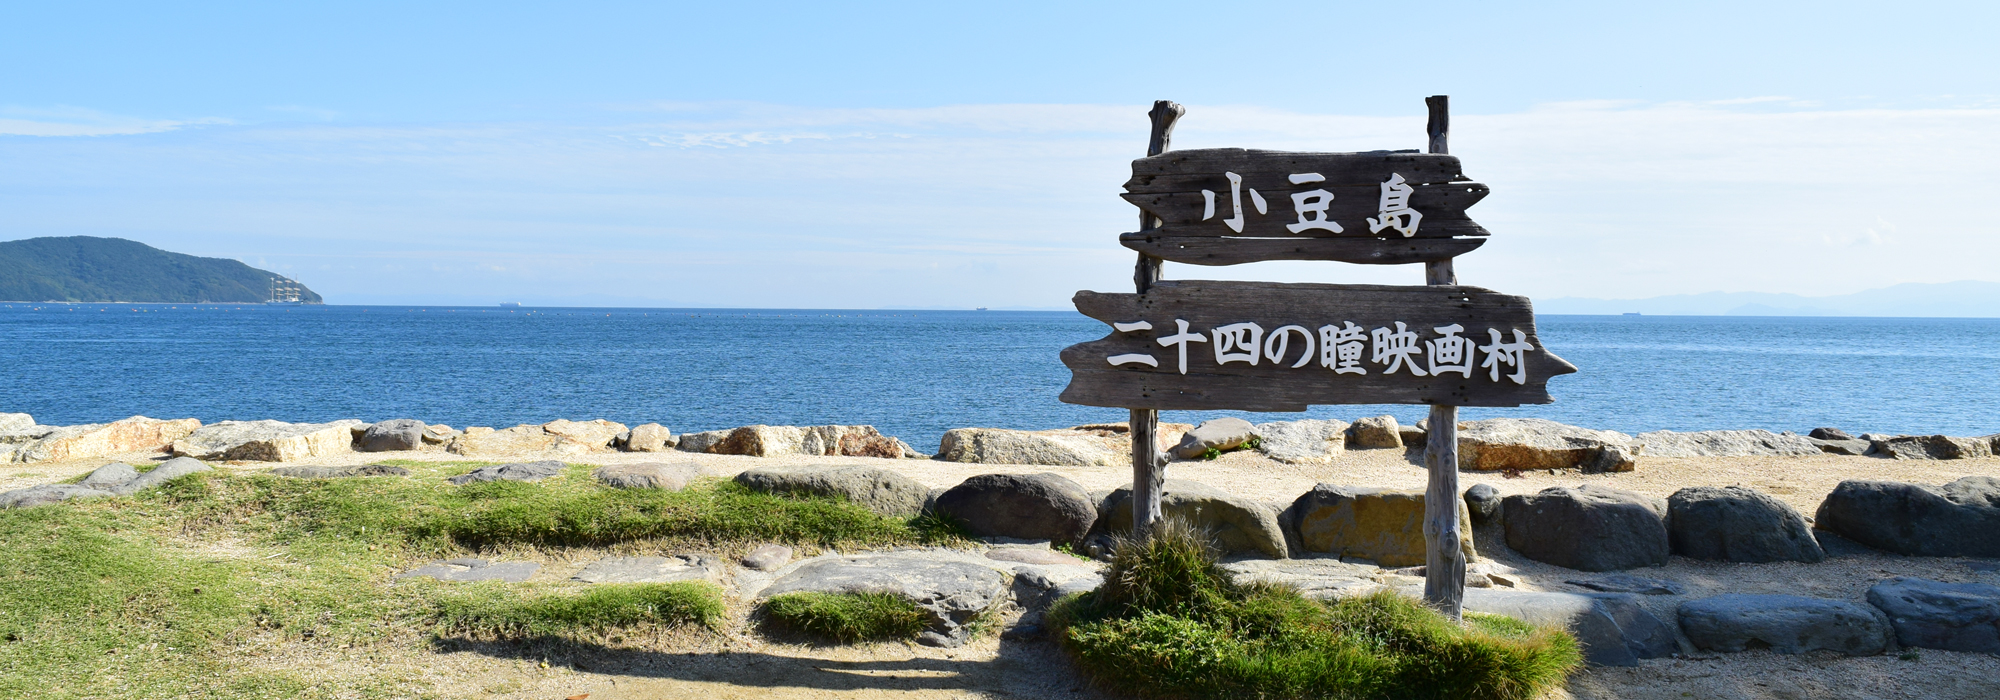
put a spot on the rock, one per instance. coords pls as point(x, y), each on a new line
point(1528, 444)
point(885, 492)
point(1319, 579)
point(519, 471)
point(167, 471)
point(48, 494)
point(951, 593)
point(1853, 448)
point(769, 557)
point(1302, 441)
point(1933, 615)
point(1786, 624)
point(1046, 448)
point(1613, 628)
point(1932, 447)
point(1482, 502)
point(1589, 528)
point(439, 434)
point(1829, 434)
point(1042, 506)
point(781, 440)
point(1383, 525)
point(1627, 583)
point(1960, 519)
point(1238, 524)
point(583, 436)
point(464, 570)
point(1219, 434)
point(267, 440)
point(365, 470)
point(135, 434)
point(651, 437)
point(1733, 523)
point(1379, 432)
point(648, 475)
point(110, 476)
point(1724, 443)
point(686, 567)
point(700, 442)
point(1414, 435)
point(487, 442)
point(16, 422)
point(393, 436)
point(1032, 555)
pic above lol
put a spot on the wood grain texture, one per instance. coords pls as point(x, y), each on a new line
point(1277, 386)
point(1149, 466)
point(1444, 572)
point(1442, 204)
point(1213, 250)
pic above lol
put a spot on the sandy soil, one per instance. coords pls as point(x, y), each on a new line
point(743, 665)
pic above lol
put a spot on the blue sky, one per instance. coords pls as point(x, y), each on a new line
point(939, 155)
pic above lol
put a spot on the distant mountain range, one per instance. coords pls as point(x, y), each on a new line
point(90, 269)
point(1963, 299)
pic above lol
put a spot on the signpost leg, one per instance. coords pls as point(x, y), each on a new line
point(1149, 468)
point(1444, 572)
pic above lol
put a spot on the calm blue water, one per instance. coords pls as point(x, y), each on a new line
point(913, 374)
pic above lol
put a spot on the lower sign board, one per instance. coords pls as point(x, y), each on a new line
point(1267, 346)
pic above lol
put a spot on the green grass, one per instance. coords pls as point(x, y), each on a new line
point(498, 612)
point(847, 617)
point(1169, 623)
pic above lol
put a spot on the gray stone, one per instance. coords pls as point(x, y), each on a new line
point(1829, 434)
point(1786, 624)
point(48, 494)
point(518, 471)
point(439, 434)
point(167, 471)
point(1414, 435)
point(1611, 459)
point(686, 567)
point(1319, 579)
point(880, 490)
point(1043, 506)
point(769, 557)
point(16, 422)
point(1724, 443)
point(1932, 447)
point(1238, 524)
point(1302, 441)
point(1613, 628)
point(650, 437)
point(951, 593)
point(1983, 566)
point(1530, 444)
point(110, 476)
point(1032, 555)
point(1056, 448)
point(1482, 502)
point(1960, 519)
point(1934, 615)
point(1733, 523)
point(392, 436)
point(365, 470)
point(1851, 448)
point(1589, 528)
point(267, 440)
point(1379, 432)
point(700, 442)
point(1385, 526)
point(1219, 434)
point(648, 475)
point(1627, 583)
point(784, 440)
point(466, 570)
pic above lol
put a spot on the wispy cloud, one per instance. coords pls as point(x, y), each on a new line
point(72, 121)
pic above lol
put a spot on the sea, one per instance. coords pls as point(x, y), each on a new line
point(912, 374)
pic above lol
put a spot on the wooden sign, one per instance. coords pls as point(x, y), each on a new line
point(1267, 346)
point(1223, 206)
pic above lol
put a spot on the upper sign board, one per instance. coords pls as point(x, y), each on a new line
point(1223, 206)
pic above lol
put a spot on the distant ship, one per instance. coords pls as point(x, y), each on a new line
point(982, 308)
point(285, 292)
point(1631, 313)
point(510, 304)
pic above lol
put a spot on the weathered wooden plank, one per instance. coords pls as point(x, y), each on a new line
point(1203, 383)
point(1443, 206)
point(1364, 250)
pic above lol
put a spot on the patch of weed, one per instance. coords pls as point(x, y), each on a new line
point(847, 617)
point(490, 611)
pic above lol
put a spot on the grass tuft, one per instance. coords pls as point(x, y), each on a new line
point(499, 612)
point(848, 617)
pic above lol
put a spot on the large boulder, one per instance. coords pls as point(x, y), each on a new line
point(392, 436)
point(1302, 441)
point(1385, 525)
point(1733, 523)
point(1219, 434)
point(1851, 448)
point(135, 434)
point(880, 490)
point(267, 440)
point(1588, 528)
point(1934, 615)
point(1724, 443)
point(951, 593)
point(1055, 448)
point(1932, 447)
point(1613, 628)
point(1378, 432)
point(1240, 525)
point(1527, 444)
point(487, 442)
point(1483, 502)
point(1024, 506)
point(651, 437)
point(1960, 519)
point(110, 476)
point(583, 436)
point(519, 471)
point(648, 475)
point(15, 422)
point(783, 440)
point(48, 494)
point(1786, 624)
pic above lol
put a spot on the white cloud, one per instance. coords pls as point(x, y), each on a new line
point(70, 121)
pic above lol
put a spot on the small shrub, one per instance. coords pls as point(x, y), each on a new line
point(494, 611)
point(848, 617)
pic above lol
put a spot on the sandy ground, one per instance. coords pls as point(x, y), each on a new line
point(744, 665)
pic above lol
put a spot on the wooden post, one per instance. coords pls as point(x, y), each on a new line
point(1149, 467)
point(1444, 573)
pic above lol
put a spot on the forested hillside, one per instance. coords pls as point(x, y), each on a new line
point(86, 268)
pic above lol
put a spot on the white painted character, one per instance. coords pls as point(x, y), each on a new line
point(1181, 339)
point(1311, 205)
point(1396, 212)
point(1133, 357)
point(1451, 353)
point(1238, 342)
point(1512, 354)
point(1235, 222)
point(1278, 343)
point(1340, 348)
point(1397, 350)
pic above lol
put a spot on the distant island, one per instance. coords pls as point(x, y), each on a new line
point(91, 269)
